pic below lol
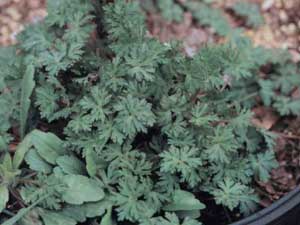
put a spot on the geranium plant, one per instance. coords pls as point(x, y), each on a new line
point(118, 128)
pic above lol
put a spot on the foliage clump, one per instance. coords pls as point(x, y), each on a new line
point(250, 11)
point(125, 129)
point(207, 13)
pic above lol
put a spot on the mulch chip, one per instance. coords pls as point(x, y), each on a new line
point(15, 14)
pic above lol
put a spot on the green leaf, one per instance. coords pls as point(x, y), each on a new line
point(107, 219)
point(22, 149)
point(76, 212)
point(134, 115)
point(71, 165)
point(287, 106)
point(46, 100)
point(201, 115)
point(81, 189)
point(36, 162)
point(170, 10)
point(28, 84)
point(96, 103)
point(250, 11)
point(86, 210)
point(266, 92)
point(263, 163)
point(55, 218)
point(3, 143)
point(222, 145)
point(91, 165)
point(4, 196)
point(184, 201)
point(93, 209)
point(270, 138)
point(184, 160)
point(172, 219)
point(209, 16)
point(232, 194)
point(7, 162)
point(49, 146)
point(7, 172)
point(193, 214)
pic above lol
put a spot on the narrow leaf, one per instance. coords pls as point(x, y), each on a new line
point(22, 149)
point(4, 196)
point(91, 165)
point(7, 162)
point(107, 220)
point(27, 88)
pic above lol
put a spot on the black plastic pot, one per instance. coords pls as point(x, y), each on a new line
point(285, 211)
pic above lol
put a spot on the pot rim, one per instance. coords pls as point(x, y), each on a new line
point(274, 211)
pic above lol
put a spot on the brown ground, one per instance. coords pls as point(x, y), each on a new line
point(15, 14)
point(281, 28)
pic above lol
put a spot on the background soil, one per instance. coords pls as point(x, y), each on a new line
point(15, 14)
point(281, 30)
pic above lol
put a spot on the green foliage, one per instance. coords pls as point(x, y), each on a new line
point(53, 218)
point(234, 194)
point(170, 10)
point(27, 88)
point(134, 200)
point(208, 16)
point(250, 11)
point(262, 163)
point(221, 146)
point(134, 115)
point(81, 189)
point(71, 165)
point(106, 219)
point(127, 129)
point(12, 70)
point(10, 171)
point(172, 219)
point(48, 146)
point(49, 188)
point(201, 117)
point(183, 201)
point(203, 11)
point(282, 81)
point(4, 196)
point(184, 160)
point(36, 162)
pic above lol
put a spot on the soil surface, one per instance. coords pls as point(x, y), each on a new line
point(15, 14)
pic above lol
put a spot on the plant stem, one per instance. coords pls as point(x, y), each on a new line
point(227, 214)
point(7, 212)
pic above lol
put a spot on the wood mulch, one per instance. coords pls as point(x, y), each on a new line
point(15, 14)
